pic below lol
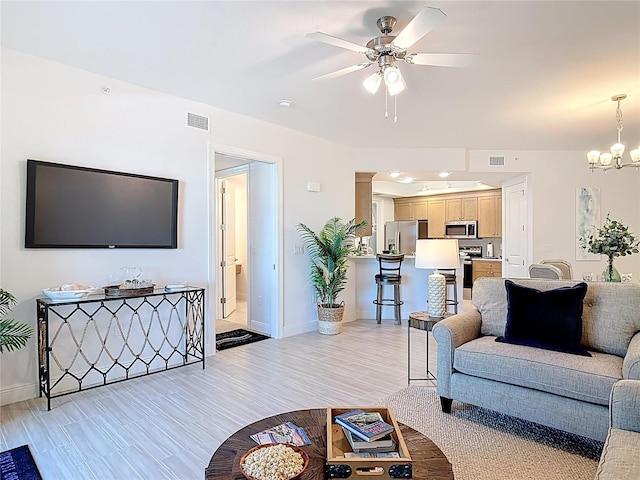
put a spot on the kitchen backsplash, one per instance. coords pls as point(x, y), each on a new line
point(482, 242)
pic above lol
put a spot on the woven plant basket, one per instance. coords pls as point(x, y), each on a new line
point(330, 319)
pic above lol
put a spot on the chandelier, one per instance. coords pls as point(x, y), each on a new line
point(614, 159)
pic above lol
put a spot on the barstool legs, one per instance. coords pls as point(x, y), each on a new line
point(395, 302)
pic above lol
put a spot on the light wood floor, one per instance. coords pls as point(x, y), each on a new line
point(167, 425)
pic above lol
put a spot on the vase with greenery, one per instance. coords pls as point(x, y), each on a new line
point(329, 251)
point(613, 240)
point(13, 334)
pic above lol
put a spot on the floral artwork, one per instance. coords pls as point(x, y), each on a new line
point(587, 219)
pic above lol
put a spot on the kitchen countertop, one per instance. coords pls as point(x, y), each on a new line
point(487, 259)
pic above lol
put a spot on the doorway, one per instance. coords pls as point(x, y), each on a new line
point(245, 239)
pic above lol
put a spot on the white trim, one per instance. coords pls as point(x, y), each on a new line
point(213, 149)
point(18, 393)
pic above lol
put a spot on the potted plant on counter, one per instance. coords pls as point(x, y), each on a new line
point(329, 250)
point(613, 240)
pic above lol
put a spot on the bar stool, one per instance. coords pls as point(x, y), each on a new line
point(389, 275)
point(450, 281)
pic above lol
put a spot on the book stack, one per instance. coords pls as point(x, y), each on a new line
point(367, 432)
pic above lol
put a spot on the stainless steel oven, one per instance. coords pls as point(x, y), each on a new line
point(461, 229)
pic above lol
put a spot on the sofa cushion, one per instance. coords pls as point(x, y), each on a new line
point(549, 319)
point(610, 315)
point(588, 379)
point(620, 456)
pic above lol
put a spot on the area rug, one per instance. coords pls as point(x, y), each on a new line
point(237, 337)
point(485, 445)
point(18, 464)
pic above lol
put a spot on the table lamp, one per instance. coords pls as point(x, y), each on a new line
point(443, 254)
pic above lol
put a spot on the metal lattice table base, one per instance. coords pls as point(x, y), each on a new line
point(99, 340)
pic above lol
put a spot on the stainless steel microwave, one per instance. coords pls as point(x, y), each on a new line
point(461, 229)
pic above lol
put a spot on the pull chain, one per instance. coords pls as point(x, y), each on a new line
point(386, 103)
point(395, 109)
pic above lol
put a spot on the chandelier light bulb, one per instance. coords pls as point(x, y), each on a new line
point(617, 150)
point(605, 159)
point(372, 82)
point(593, 156)
point(635, 155)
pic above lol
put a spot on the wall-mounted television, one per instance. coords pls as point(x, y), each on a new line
point(76, 207)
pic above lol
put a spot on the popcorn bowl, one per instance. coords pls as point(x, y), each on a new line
point(250, 461)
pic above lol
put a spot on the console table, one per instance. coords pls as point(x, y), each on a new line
point(96, 340)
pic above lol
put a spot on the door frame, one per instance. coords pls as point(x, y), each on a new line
point(212, 241)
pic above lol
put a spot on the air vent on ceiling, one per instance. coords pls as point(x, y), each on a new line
point(198, 121)
point(496, 160)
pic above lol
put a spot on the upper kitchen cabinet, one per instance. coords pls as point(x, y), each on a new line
point(363, 201)
point(436, 216)
point(490, 215)
point(461, 209)
point(409, 209)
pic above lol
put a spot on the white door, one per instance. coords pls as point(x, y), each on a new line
point(263, 276)
point(515, 231)
point(228, 243)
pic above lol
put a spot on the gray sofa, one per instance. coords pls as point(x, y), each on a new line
point(560, 390)
point(620, 459)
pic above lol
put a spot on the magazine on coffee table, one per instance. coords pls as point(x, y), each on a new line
point(285, 433)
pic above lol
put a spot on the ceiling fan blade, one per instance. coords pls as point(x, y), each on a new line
point(426, 20)
point(342, 71)
point(460, 60)
point(338, 42)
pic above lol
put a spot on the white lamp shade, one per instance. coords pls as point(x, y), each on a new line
point(443, 254)
point(617, 150)
point(593, 156)
point(635, 155)
point(605, 159)
point(372, 82)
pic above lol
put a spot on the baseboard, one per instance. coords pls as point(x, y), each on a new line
point(18, 393)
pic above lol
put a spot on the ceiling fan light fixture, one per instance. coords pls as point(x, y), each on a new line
point(392, 76)
point(372, 82)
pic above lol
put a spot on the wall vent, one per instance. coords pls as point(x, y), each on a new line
point(496, 160)
point(198, 121)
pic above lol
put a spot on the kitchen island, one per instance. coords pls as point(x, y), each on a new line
point(413, 291)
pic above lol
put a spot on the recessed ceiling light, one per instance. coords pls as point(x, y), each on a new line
point(394, 174)
point(284, 102)
point(406, 180)
point(444, 174)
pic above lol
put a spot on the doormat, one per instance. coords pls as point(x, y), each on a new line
point(236, 338)
point(18, 464)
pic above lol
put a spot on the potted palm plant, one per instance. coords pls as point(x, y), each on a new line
point(329, 250)
point(613, 240)
point(13, 334)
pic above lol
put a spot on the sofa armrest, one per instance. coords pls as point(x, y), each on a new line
point(631, 362)
point(624, 411)
point(450, 333)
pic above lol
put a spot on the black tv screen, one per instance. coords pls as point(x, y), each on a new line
point(77, 207)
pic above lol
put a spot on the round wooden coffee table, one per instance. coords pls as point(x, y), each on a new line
point(428, 460)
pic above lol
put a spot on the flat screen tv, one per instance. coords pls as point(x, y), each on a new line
point(77, 207)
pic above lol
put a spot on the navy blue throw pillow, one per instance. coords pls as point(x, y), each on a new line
point(549, 319)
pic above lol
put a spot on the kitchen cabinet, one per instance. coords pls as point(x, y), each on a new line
point(490, 216)
point(404, 209)
point(464, 208)
point(436, 216)
point(363, 201)
point(487, 268)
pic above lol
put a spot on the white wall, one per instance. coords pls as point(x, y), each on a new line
point(57, 113)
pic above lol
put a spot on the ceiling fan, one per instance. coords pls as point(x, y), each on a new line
point(386, 50)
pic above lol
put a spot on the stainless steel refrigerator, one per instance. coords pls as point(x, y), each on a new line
point(402, 235)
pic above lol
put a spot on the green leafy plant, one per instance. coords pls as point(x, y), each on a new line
point(613, 240)
point(329, 250)
point(13, 334)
